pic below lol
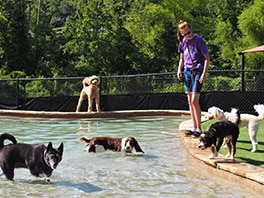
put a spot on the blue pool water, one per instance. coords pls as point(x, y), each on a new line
point(165, 170)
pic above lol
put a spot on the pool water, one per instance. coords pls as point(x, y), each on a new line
point(165, 170)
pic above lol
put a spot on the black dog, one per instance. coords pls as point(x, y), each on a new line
point(218, 132)
point(38, 158)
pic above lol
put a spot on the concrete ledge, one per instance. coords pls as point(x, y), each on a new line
point(243, 173)
point(83, 115)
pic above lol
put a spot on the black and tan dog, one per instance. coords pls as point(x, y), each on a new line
point(218, 133)
point(100, 144)
point(38, 158)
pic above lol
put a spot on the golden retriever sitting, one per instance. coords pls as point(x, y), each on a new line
point(90, 90)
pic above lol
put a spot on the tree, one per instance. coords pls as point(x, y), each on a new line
point(15, 39)
point(91, 33)
point(48, 38)
point(226, 32)
point(154, 34)
point(251, 24)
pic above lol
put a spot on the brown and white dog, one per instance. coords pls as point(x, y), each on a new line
point(90, 90)
point(101, 144)
point(249, 120)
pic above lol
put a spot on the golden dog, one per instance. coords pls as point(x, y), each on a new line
point(90, 90)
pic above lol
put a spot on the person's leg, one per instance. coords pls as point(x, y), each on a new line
point(196, 111)
point(191, 132)
point(192, 110)
point(195, 96)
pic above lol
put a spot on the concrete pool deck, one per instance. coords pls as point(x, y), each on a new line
point(243, 173)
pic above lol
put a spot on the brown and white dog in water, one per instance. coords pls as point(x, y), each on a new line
point(101, 144)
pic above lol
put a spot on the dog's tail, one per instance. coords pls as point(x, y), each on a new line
point(6, 136)
point(86, 82)
point(260, 110)
point(237, 112)
point(84, 139)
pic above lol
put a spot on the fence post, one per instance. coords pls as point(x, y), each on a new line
point(242, 75)
point(17, 93)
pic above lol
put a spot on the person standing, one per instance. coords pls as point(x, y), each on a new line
point(194, 62)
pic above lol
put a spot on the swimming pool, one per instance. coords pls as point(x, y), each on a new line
point(165, 170)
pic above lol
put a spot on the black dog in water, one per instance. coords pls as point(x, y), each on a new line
point(38, 158)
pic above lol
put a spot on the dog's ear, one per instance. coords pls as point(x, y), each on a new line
point(49, 146)
point(60, 149)
point(137, 147)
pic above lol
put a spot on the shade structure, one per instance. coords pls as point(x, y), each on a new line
point(256, 49)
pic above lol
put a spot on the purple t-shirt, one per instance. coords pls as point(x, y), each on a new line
point(197, 48)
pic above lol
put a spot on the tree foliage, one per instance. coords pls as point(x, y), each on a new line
point(50, 38)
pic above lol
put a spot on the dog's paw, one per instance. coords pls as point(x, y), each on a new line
point(48, 180)
point(211, 156)
point(254, 148)
point(228, 155)
point(231, 158)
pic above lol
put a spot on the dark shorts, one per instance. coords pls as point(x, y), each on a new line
point(191, 79)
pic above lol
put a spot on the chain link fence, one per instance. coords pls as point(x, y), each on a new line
point(217, 80)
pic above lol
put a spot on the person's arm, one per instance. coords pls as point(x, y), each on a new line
point(180, 67)
point(206, 65)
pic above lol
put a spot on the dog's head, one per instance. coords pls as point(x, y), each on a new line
point(215, 113)
point(260, 110)
point(94, 80)
point(130, 143)
point(205, 141)
point(53, 156)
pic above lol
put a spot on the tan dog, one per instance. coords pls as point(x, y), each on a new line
point(90, 90)
point(249, 120)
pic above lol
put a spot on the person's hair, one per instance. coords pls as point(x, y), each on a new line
point(182, 25)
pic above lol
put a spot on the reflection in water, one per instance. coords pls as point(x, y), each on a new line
point(87, 188)
point(163, 171)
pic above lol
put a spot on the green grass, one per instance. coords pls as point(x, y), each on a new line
point(243, 146)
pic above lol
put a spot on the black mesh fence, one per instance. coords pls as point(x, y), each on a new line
point(144, 91)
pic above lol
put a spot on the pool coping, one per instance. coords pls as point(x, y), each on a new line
point(93, 115)
point(248, 174)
